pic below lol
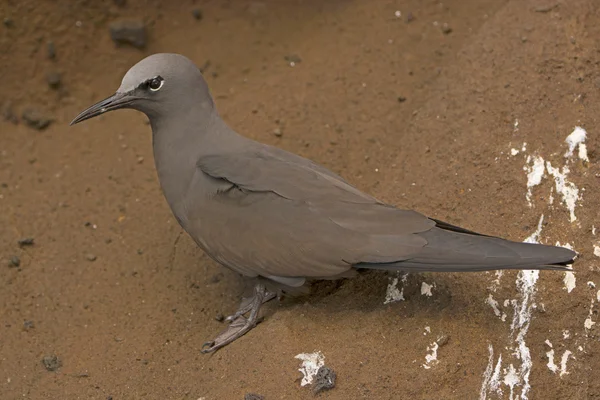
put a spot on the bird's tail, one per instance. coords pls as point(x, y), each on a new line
point(453, 249)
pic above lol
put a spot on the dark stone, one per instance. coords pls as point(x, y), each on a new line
point(197, 13)
point(51, 50)
point(401, 99)
point(54, 79)
point(36, 119)
point(132, 32)
point(51, 363)
point(8, 22)
point(253, 396)
point(26, 242)
point(27, 324)
point(8, 113)
point(14, 262)
point(324, 380)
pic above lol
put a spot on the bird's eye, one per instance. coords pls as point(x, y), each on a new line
point(155, 83)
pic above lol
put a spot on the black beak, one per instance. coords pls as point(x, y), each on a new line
point(116, 101)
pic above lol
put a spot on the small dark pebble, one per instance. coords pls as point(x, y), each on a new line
point(545, 9)
point(26, 242)
point(27, 324)
point(324, 380)
point(14, 262)
point(82, 375)
point(36, 119)
point(219, 317)
point(216, 278)
point(109, 398)
point(443, 340)
point(197, 13)
point(8, 113)
point(51, 50)
point(204, 67)
point(90, 257)
point(140, 251)
point(446, 28)
point(54, 79)
point(253, 396)
point(132, 32)
point(410, 17)
point(8, 22)
point(120, 3)
point(52, 363)
point(401, 99)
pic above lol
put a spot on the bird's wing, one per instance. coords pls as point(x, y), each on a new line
point(294, 219)
point(265, 170)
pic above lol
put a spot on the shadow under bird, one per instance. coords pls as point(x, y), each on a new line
point(281, 220)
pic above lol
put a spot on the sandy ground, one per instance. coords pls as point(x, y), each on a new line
point(420, 114)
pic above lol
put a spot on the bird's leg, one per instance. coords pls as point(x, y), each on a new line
point(247, 304)
point(239, 324)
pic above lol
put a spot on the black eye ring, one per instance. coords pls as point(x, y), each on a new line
point(155, 83)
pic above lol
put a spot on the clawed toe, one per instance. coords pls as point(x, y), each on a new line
point(238, 324)
point(207, 347)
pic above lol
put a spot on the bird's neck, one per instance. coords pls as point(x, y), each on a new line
point(179, 141)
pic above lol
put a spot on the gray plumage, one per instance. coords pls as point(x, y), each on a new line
point(276, 216)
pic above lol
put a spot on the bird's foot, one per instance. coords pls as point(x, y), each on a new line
point(238, 324)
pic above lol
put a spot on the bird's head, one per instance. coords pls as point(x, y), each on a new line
point(159, 85)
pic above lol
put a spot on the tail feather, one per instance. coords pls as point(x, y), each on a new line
point(457, 250)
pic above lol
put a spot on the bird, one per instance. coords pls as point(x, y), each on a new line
point(281, 220)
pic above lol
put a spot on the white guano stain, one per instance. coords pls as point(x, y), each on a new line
point(535, 172)
point(311, 362)
point(562, 370)
point(518, 377)
point(536, 169)
point(567, 190)
point(597, 250)
point(535, 236)
point(577, 139)
point(569, 278)
point(491, 376)
point(512, 380)
point(496, 307)
point(426, 289)
point(589, 322)
point(431, 358)
point(569, 281)
point(392, 293)
point(563, 362)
